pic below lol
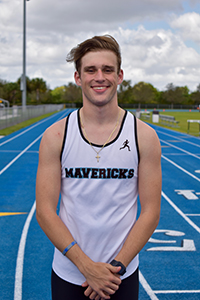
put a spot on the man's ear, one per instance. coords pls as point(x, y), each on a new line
point(120, 76)
point(77, 78)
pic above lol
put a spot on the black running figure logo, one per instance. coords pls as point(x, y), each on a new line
point(125, 144)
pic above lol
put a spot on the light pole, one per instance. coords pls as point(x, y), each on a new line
point(23, 86)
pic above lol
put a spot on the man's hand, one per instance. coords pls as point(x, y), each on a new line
point(102, 280)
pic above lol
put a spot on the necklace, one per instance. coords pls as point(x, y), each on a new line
point(97, 152)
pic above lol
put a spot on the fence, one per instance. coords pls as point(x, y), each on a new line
point(157, 106)
point(10, 116)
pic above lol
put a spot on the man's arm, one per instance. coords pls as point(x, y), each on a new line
point(99, 276)
point(149, 185)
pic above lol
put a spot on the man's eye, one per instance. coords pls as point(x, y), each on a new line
point(90, 70)
point(108, 71)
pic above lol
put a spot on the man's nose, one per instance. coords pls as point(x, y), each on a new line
point(99, 75)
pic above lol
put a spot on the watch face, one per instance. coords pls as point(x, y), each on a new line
point(122, 271)
point(119, 264)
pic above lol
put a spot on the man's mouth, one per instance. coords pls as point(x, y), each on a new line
point(99, 88)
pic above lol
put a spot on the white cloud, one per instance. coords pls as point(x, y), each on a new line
point(158, 57)
point(189, 26)
point(77, 15)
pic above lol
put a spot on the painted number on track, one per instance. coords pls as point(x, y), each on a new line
point(187, 245)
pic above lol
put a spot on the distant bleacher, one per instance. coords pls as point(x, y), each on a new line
point(168, 120)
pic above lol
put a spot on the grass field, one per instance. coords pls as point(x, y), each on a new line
point(182, 117)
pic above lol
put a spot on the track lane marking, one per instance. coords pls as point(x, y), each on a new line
point(32, 127)
point(181, 139)
point(180, 149)
point(177, 292)
point(20, 154)
point(147, 287)
point(170, 201)
point(26, 130)
point(179, 167)
point(20, 256)
point(184, 216)
point(5, 214)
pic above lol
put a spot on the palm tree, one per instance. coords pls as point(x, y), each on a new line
point(39, 86)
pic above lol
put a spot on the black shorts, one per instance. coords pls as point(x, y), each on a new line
point(63, 290)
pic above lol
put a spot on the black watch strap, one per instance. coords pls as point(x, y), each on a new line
point(116, 263)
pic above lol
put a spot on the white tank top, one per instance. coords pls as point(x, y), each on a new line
point(98, 199)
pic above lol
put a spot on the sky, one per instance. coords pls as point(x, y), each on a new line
point(159, 40)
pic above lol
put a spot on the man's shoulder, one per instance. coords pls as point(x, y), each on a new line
point(54, 134)
point(56, 128)
point(147, 137)
point(144, 129)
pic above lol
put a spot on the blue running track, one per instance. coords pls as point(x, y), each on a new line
point(170, 261)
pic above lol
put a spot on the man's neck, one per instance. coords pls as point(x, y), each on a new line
point(99, 114)
point(99, 124)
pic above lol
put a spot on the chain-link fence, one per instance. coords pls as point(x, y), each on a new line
point(10, 116)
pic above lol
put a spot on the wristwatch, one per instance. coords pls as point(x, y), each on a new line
point(116, 263)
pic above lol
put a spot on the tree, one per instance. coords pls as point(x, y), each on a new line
point(168, 95)
point(176, 95)
point(195, 96)
point(144, 93)
point(58, 94)
point(11, 92)
point(38, 85)
point(2, 84)
point(72, 94)
point(125, 93)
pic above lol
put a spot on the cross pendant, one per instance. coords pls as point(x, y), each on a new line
point(97, 157)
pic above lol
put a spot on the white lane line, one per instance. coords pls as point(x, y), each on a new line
point(176, 137)
point(182, 150)
point(177, 154)
point(182, 169)
point(147, 287)
point(20, 256)
point(181, 213)
point(20, 154)
point(193, 215)
point(17, 151)
point(26, 130)
point(177, 292)
point(21, 133)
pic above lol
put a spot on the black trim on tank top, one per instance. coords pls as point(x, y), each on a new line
point(100, 146)
point(136, 138)
point(65, 135)
point(79, 124)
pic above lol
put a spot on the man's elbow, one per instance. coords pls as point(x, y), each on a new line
point(39, 215)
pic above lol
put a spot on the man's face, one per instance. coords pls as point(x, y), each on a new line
point(98, 77)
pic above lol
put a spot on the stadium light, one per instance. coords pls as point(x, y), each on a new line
point(23, 79)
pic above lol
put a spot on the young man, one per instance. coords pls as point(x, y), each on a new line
point(99, 158)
